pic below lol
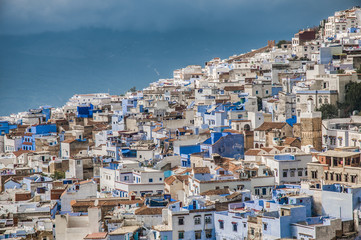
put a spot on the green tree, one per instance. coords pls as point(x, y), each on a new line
point(133, 89)
point(358, 70)
point(280, 42)
point(259, 103)
point(352, 98)
point(328, 111)
point(58, 175)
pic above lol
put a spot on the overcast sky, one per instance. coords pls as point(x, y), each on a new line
point(34, 16)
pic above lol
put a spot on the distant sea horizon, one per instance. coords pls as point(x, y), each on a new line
point(48, 68)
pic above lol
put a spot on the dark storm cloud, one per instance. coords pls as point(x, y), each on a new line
point(31, 16)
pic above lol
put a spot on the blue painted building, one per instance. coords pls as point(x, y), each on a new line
point(340, 201)
point(127, 104)
point(225, 144)
point(185, 152)
point(85, 111)
point(46, 110)
point(5, 127)
point(43, 129)
point(276, 90)
point(28, 140)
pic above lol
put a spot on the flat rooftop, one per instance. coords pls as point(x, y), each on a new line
point(333, 153)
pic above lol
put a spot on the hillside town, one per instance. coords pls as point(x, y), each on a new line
point(261, 145)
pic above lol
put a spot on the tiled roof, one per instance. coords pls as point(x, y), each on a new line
point(101, 235)
point(70, 140)
point(267, 126)
point(19, 152)
point(215, 192)
point(267, 149)
point(289, 140)
point(252, 152)
point(148, 211)
point(197, 170)
point(171, 179)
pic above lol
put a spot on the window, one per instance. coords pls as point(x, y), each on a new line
point(160, 179)
point(207, 219)
point(78, 162)
point(221, 224)
point(198, 234)
point(150, 179)
point(264, 191)
point(208, 233)
point(234, 227)
point(284, 173)
point(338, 177)
point(300, 173)
point(256, 92)
point(265, 226)
point(181, 235)
point(256, 191)
point(353, 178)
point(197, 220)
point(292, 173)
point(180, 221)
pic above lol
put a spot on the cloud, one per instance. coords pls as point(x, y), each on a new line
point(33, 16)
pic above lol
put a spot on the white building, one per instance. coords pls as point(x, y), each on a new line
point(81, 190)
point(288, 168)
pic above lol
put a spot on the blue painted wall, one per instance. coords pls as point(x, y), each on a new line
point(5, 127)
